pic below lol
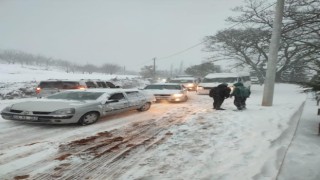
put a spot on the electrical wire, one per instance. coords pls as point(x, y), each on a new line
point(193, 46)
point(196, 45)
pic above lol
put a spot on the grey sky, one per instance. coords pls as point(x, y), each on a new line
point(125, 32)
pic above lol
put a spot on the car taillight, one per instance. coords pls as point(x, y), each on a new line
point(38, 89)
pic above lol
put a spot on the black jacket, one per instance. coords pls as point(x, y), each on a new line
point(222, 91)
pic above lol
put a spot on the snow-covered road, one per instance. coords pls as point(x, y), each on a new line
point(170, 141)
point(37, 151)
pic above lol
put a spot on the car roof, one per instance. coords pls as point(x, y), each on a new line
point(220, 75)
point(104, 90)
point(183, 78)
point(58, 80)
point(185, 75)
point(166, 84)
point(53, 80)
point(226, 75)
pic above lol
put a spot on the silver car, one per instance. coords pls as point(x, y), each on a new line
point(78, 106)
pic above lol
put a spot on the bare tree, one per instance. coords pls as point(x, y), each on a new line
point(90, 68)
point(247, 47)
point(300, 40)
point(202, 69)
point(10, 56)
point(110, 68)
point(147, 72)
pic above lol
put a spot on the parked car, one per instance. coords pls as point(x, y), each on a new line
point(78, 106)
point(111, 85)
point(52, 86)
point(98, 83)
point(254, 80)
point(172, 92)
point(189, 82)
point(214, 79)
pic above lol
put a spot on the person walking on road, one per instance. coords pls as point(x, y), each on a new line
point(218, 94)
point(240, 94)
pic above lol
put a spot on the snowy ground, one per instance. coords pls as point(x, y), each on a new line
point(173, 141)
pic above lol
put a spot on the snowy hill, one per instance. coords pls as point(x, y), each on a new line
point(18, 81)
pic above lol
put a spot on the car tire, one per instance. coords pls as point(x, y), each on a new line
point(89, 118)
point(145, 107)
point(186, 99)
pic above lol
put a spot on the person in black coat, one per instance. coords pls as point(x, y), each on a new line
point(218, 94)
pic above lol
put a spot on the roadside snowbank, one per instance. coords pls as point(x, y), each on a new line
point(228, 144)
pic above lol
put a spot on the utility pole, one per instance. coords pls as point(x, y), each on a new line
point(154, 69)
point(273, 55)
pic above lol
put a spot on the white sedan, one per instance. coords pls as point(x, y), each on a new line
point(78, 106)
point(172, 92)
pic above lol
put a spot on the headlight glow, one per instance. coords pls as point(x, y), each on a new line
point(66, 111)
point(190, 85)
point(177, 95)
point(231, 88)
point(199, 87)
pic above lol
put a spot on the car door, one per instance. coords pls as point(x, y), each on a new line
point(136, 99)
point(117, 102)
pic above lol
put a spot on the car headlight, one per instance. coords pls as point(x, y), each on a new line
point(177, 95)
point(190, 85)
point(199, 87)
point(67, 111)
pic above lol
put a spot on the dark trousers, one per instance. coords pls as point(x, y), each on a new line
point(217, 101)
point(243, 103)
point(239, 102)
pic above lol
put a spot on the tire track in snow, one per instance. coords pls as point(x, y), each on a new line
point(99, 159)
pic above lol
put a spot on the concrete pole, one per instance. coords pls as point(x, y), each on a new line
point(273, 56)
point(154, 69)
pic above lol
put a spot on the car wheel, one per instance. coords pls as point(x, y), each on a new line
point(89, 118)
point(145, 107)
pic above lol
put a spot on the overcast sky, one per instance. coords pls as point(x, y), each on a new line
point(125, 32)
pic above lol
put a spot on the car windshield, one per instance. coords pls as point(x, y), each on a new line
point(76, 95)
point(157, 86)
point(220, 80)
point(181, 81)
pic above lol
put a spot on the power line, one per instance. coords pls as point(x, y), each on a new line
point(191, 47)
point(196, 45)
point(180, 52)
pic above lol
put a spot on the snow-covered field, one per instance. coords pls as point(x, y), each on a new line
point(18, 81)
point(173, 141)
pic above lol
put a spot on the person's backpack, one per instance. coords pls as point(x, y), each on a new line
point(212, 91)
point(247, 92)
point(244, 92)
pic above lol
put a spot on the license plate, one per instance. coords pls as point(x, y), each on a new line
point(25, 117)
